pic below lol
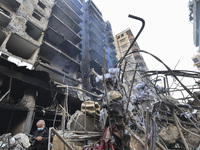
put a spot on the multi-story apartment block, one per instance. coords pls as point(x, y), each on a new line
point(43, 43)
point(194, 7)
point(122, 42)
point(99, 37)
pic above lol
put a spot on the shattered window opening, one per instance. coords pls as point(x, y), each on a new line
point(42, 5)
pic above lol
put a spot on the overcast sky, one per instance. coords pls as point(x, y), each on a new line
point(168, 33)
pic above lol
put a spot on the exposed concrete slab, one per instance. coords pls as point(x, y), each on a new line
point(16, 60)
point(68, 10)
point(4, 19)
point(20, 47)
point(60, 27)
point(58, 12)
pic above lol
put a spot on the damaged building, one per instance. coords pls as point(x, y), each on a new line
point(44, 43)
point(58, 63)
point(122, 42)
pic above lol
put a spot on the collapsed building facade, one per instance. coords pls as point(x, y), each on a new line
point(43, 43)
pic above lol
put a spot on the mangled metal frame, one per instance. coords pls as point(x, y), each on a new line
point(176, 111)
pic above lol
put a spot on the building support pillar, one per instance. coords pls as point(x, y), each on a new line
point(28, 101)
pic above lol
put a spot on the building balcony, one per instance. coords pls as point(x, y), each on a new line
point(68, 10)
point(94, 55)
point(97, 66)
point(21, 47)
point(112, 46)
point(74, 6)
point(95, 9)
point(57, 75)
point(11, 4)
point(97, 23)
point(93, 45)
point(110, 39)
point(33, 31)
point(96, 31)
point(113, 52)
point(5, 19)
point(78, 3)
point(64, 30)
point(96, 38)
point(56, 57)
point(19, 50)
point(3, 36)
point(59, 41)
point(66, 19)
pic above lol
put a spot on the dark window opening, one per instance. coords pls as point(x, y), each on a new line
point(12, 120)
point(74, 104)
point(36, 15)
point(4, 56)
point(122, 35)
point(4, 11)
point(118, 37)
point(41, 5)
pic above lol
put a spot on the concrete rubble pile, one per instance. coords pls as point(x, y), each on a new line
point(150, 119)
point(19, 141)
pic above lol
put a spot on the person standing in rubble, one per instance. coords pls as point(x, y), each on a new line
point(39, 140)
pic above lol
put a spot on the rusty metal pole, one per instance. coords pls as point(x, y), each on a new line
point(129, 96)
point(103, 73)
point(123, 71)
point(180, 132)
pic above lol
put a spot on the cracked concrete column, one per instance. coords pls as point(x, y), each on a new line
point(28, 101)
